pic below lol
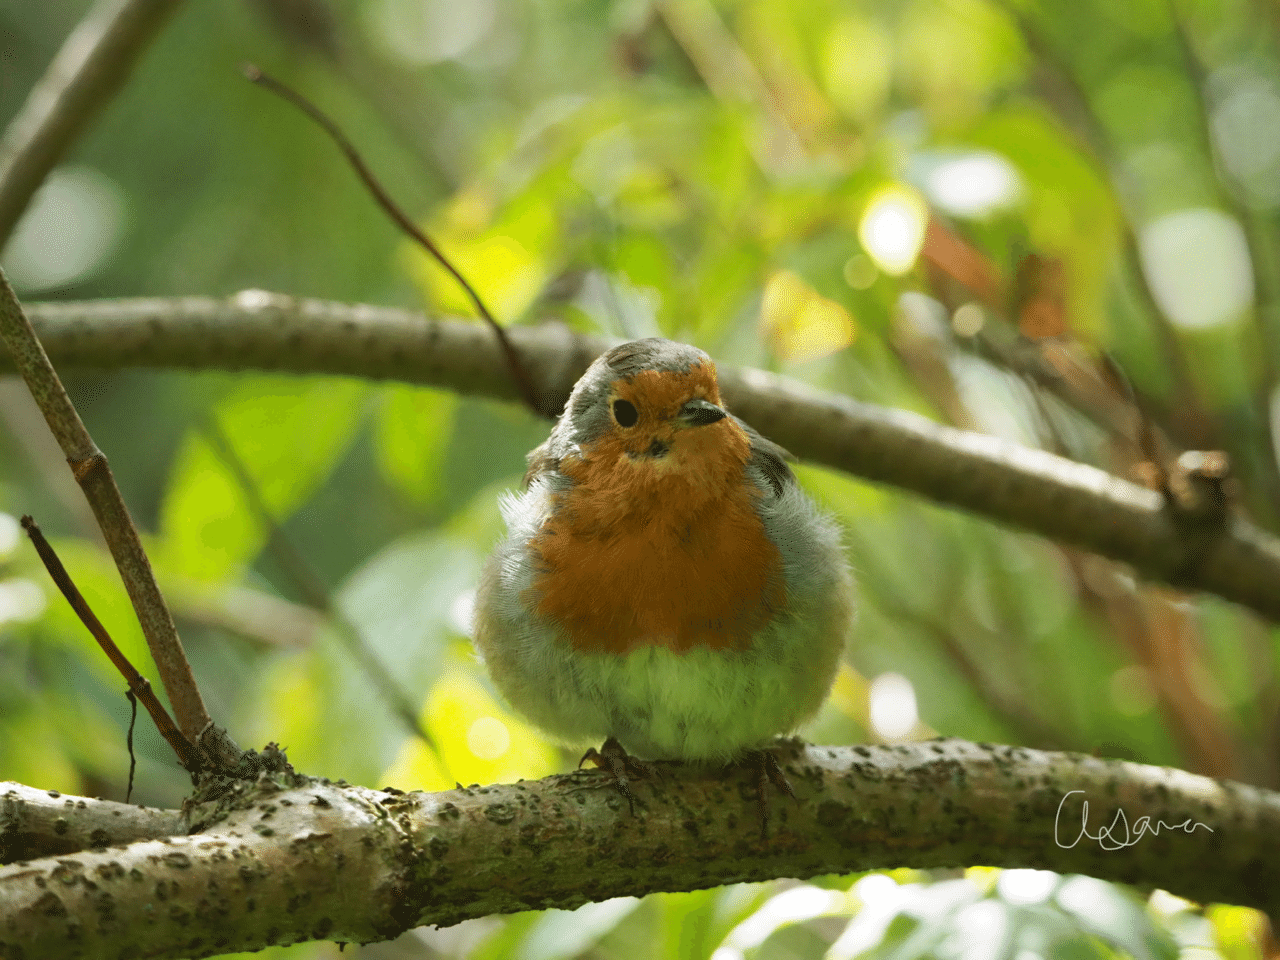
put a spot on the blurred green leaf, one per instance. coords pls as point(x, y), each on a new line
point(566, 933)
point(289, 433)
point(414, 426)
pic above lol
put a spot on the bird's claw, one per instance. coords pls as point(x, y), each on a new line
point(768, 771)
point(622, 767)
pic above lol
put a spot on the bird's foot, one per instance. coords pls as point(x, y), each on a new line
point(767, 771)
point(622, 767)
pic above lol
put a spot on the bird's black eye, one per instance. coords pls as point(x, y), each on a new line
point(625, 413)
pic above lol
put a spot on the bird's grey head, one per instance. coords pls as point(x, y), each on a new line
point(587, 414)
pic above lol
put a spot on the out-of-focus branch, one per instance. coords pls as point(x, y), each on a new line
point(1071, 102)
point(1198, 80)
point(1159, 636)
point(92, 65)
point(1010, 708)
point(320, 861)
point(21, 417)
point(317, 593)
point(1037, 491)
point(94, 476)
point(732, 78)
point(253, 615)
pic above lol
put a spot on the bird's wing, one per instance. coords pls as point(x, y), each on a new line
point(770, 458)
point(541, 461)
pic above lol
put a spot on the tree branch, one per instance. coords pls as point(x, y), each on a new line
point(93, 473)
point(91, 66)
point(1031, 489)
point(44, 823)
point(312, 860)
point(139, 686)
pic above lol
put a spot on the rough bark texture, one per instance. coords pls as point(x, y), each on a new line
point(44, 823)
point(281, 861)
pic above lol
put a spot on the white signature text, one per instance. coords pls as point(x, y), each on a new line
point(1118, 834)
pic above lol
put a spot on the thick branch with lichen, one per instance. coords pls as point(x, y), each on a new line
point(1023, 487)
point(287, 860)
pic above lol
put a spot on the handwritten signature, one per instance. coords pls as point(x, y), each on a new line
point(1117, 835)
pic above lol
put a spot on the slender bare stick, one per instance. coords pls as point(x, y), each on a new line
point(401, 220)
point(88, 70)
point(94, 476)
point(139, 685)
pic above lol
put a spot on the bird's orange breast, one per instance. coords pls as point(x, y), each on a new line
point(668, 552)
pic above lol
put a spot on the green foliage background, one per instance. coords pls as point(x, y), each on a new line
point(699, 171)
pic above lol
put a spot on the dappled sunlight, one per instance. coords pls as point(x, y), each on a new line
point(10, 534)
point(480, 742)
point(21, 600)
point(794, 905)
point(799, 323)
point(1198, 263)
point(1026, 886)
point(421, 32)
point(971, 184)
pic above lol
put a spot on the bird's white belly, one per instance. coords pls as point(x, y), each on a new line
point(703, 704)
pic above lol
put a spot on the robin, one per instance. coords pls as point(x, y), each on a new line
point(665, 585)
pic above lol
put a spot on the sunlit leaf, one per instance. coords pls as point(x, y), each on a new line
point(414, 426)
point(288, 433)
point(481, 741)
point(800, 323)
point(857, 65)
point(1240, 931)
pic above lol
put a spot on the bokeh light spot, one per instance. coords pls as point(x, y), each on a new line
point(892, 228)
point(488, 738)
point(893, 708)
point(72, 227)
point(1197, 261)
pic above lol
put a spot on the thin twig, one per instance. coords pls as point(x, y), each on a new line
point(317, 593)
point(93, 473)
point(401, 220)
point(91, 66)
point(139, 685)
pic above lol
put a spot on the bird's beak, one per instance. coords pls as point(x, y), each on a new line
point(700, 413)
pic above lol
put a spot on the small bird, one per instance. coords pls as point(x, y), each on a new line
point(665, 585)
